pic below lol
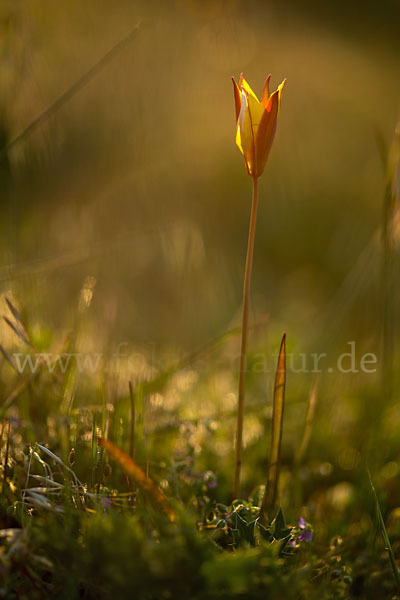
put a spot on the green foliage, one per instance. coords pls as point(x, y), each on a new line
point(240, 525)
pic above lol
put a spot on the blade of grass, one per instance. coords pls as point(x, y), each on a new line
point(51, 454)
point(385, 537)
point(308, 426)
point(147, 485)
point(103, 411)
point(17, 332)
point(389, 271)
point(103, 433)
point(94, 450)
point(6, 459)
point(140, 395)
point(8, 358)
point(70, 92)
point(28, 473)
point(17, 317)
point(16, 392)
point(296, 479)
point(132, 419)
point(3, 424)
point(271, 489)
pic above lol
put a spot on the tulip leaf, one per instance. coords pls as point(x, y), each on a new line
point(385, 537)
point(271, 490)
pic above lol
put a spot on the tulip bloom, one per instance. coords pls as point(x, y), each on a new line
point(256, 123)
point(255, 131)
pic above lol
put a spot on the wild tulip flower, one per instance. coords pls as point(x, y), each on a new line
point(256, 123)
point(255, 131)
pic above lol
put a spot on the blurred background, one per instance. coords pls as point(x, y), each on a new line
point(125, 212)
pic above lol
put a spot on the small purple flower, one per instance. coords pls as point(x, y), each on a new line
point(210, 479)
point(305, 536)
point(106, 502)
point(302, 523)
point(292, 543)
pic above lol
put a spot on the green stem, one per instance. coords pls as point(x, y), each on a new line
point(132, 421)
point(388, 280)
point(243, 345)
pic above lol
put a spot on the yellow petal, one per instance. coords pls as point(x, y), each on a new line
point(245, 86)
point(239, 139)
point(244, 133)
point(256, 111)
point(280, 90)
point(239, 145)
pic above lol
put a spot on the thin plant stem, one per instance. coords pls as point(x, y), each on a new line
point(389, 266)
point(243, 344)
point(6, 459)
point(388, 285)
point(132, 419)
point(308, 425)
